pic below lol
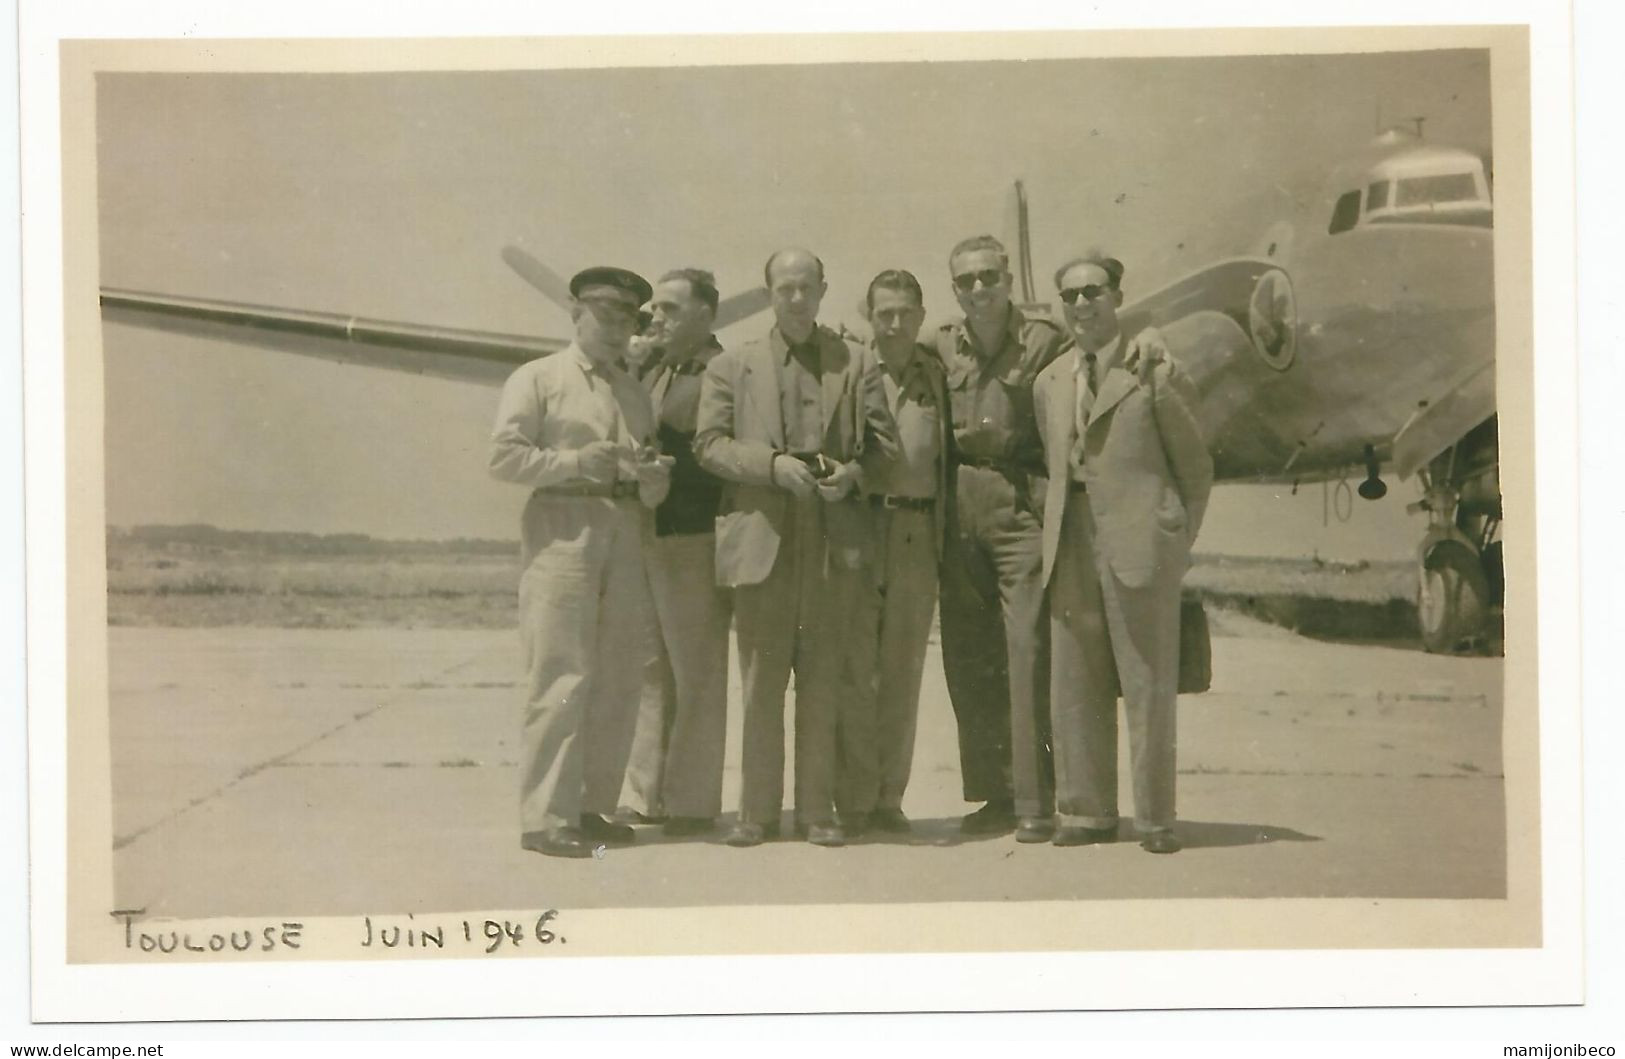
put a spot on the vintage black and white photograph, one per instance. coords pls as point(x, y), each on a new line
point(906, 478)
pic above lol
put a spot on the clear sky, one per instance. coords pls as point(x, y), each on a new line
point(390, 195)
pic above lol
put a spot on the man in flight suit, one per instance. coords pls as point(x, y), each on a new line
point(579, 432)
point(995, 634)
point(785, 420)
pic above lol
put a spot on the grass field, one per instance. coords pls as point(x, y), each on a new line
point(174, 586)
point(184, 578)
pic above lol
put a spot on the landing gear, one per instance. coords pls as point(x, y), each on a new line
point(1452, 599)
point(1459, 575)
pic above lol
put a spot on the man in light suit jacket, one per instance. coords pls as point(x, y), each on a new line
point(787, 422)
point(1129, 477)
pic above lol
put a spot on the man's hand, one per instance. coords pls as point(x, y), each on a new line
point(654, 479)
point(839, 482)
point(790, 473)
point(598, 461)
point(1145, 351)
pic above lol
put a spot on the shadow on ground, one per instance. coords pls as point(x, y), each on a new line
point(945, 832)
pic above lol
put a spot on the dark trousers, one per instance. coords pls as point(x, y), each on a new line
point(995, 643)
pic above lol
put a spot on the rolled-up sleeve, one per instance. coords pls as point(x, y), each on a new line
point(518, 450)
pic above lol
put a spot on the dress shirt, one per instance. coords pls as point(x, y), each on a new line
point(1088, 367)
point(913, 404)
point(801, 389)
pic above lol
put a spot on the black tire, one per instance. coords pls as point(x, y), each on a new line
point(1452, 603)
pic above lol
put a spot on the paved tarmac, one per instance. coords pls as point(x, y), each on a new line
point(368, 771)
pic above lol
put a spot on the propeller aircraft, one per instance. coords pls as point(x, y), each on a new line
point(1359, 332)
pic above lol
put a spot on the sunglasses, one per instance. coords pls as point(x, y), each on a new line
point(989, 277)
point(1088, 292)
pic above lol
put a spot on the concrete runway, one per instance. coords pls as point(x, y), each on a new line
point(367, 771)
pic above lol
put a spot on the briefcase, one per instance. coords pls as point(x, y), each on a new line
point(1195, 649)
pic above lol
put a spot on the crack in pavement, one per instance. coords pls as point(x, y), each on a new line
point(124, 841)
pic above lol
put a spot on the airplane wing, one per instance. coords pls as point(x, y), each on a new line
point(1444, 422)
point(447, 353)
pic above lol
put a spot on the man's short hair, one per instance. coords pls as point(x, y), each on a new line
point(701, 284)
point(767, 269)
point(895, 279)
point(979, 242)
point(1098, 258)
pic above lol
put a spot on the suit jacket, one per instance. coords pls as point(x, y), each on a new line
point(936, 377)
point(1148, 470)
point(741, 429)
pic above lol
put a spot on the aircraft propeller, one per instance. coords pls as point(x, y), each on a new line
point(730, 310)
point(550, 283)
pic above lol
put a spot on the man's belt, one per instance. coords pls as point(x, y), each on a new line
point(619, 490)
point(1006, 467)
point(905, 503)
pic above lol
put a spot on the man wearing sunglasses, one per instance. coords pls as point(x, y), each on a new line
point(1129, 477)
point(792, 422)
point(994, 635)
point(578, 431)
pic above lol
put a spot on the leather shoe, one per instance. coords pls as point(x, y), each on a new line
point(1035, 829)
point(1084, 836)
point(687, 826)
point(854, 825)
point(826, 835)
point(745, 834)
point(1160, 841)
point(596, 829)
point(629, 817)
point(556, 842)
point(890, 820)
point(994, 818)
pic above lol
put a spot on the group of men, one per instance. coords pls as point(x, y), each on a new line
point(819, 494)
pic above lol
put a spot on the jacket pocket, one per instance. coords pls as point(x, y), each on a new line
point(1170, 513)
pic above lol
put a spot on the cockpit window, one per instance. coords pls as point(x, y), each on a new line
point(1429, 190)
point(1376, 196)
point(1346, 213)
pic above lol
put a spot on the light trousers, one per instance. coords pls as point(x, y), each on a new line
point(1105, 636)
point(877, 752)
point(677, 751)
point(585, 621)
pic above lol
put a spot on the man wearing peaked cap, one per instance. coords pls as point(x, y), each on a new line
point(578, 431)
point(601, 279)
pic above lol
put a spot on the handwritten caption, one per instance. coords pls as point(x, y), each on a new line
point(490, 936)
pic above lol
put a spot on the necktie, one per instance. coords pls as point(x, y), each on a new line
point(1086, 400)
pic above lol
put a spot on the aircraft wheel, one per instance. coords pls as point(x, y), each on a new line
point(1453, 597)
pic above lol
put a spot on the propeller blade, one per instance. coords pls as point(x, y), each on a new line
point(538, 275)
point(737, 307)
